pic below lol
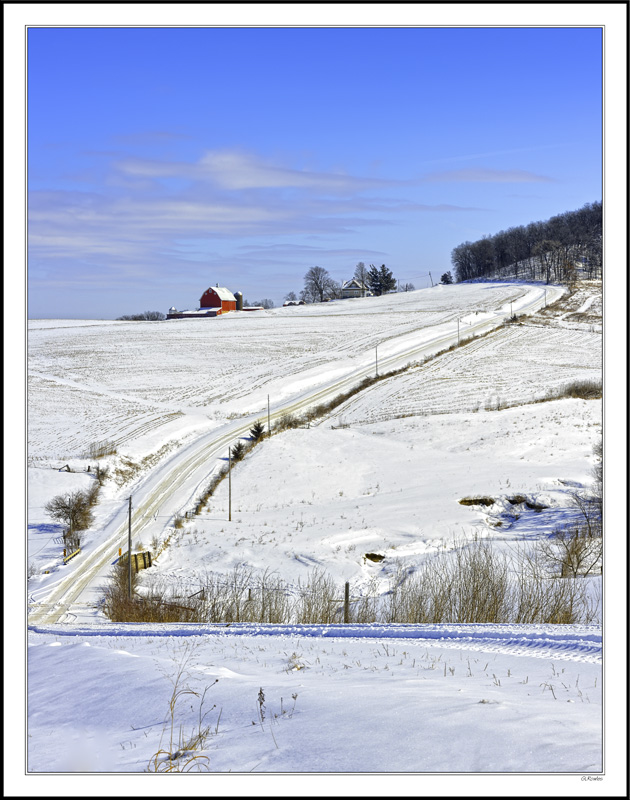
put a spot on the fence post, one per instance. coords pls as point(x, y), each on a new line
point(346, 603)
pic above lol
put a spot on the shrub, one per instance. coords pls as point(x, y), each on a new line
point(584, 389)
point(286, 422)
point(91, 494)
point(118, 606)
point(102, 474)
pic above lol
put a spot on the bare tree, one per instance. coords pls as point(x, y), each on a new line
point(317, 284)
point(74, 510)
point(334, 290)
point(574, 551)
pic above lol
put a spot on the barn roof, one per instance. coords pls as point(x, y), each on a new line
point(222, 292)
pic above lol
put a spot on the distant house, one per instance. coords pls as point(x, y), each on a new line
point(218, 297)
point(355, 288)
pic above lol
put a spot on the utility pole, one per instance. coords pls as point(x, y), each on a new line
point(129, 549)
point(346, 603)
point(431, 280)
point(230, 485)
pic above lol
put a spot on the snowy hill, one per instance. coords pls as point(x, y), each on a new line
point(380, 475)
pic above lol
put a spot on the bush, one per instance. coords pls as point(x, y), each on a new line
point(118, 606)
point(286, 422)
point(102, 474)
point(585, 390)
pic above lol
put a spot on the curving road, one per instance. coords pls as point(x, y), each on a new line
point(174, 483)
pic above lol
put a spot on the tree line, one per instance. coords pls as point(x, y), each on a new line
point(145, 315)
point(553, 250)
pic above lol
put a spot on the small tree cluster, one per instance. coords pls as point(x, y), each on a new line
point(152, 316)
point(380, 279)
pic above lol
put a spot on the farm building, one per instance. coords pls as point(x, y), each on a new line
point(214, 301)
point(218, 297)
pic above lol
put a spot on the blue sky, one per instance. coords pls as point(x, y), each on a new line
point(165, 160)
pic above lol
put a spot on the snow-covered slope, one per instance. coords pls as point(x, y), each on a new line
point(383, 473)
point(418, 700)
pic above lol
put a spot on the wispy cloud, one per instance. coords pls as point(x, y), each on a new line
point(237, 170)
point(150, 214)
point(486, 175)
point(494, 153)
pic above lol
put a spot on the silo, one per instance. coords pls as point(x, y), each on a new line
point(239, 300)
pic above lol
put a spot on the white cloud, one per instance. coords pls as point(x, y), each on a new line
point(236, 170)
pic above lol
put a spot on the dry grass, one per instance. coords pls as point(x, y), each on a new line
point(101, 449)
point(182, 752)
point(473, 584)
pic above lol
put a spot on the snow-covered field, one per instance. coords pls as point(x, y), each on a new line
point(453, 699)
point(382, 474)
point(140, 384)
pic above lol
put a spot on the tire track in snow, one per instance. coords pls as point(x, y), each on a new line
point(582, 643)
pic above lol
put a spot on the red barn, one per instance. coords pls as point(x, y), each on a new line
point(218, 297)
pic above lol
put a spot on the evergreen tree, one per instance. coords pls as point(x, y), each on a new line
point(257, 430)
point(380, 279)
point(447, 277)
point(238, 451)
